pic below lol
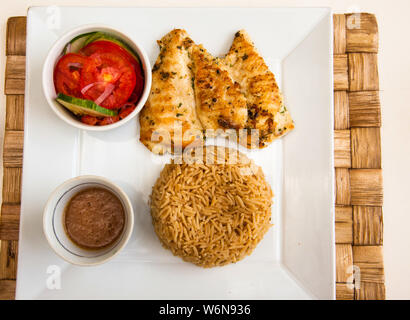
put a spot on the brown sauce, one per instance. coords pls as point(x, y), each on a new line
point(94, 218)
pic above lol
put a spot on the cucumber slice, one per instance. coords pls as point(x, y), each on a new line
point(94, 37)
point(82, 107)
point(78, 42)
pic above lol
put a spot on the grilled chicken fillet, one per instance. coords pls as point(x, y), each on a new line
point(169, 115)
point(219, 101)
point(266, 111)
point(192, 91)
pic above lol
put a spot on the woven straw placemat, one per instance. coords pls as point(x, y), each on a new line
point(359, 190)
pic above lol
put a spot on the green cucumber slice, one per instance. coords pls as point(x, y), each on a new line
point(82, 107)
point(78, 42)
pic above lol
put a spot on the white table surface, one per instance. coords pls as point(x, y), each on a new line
point(394, 67)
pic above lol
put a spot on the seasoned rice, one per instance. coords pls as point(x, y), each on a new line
point(211, 214)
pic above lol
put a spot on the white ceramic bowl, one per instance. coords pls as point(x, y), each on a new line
point(53, 225)
point(52, 58)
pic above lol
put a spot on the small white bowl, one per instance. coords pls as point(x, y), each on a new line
point(55, 53)
point(53, 224)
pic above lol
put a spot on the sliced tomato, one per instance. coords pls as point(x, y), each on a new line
point(108, 120)
point(109, 78)
point(109, 46)
point(139, 87)
point(126, 110)
point(90, 120)
point(67, 74)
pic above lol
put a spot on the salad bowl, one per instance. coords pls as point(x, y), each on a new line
point(60, 47)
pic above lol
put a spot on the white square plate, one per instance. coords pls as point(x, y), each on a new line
point(294, 260)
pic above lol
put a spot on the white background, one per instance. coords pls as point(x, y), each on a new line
point(394, 68)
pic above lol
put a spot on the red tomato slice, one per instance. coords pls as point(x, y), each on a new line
point(126, 110)
point(109, 78)
point(90, 120)
point(67, 74)
point(109, 46)
point(108, 120)
point(139, 86)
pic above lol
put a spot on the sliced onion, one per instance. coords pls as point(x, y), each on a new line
point(68, 48)
point(88, 86)
point(107, 91)
point(78, 65)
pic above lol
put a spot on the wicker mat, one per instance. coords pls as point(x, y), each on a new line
point(359, 190)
